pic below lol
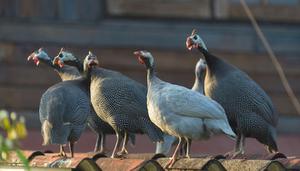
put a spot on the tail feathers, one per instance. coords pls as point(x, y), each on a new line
point(46, 132)
point(165, 147)
point(229, 132)
point(132, 139)
point(154, 133)
point(220, 126)
point(272, 145)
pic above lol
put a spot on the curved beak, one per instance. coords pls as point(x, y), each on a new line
point(33, 57)
point(189, 43)
point(138, 54)
point(92, 63)
point(30, 56)
point(58, 62)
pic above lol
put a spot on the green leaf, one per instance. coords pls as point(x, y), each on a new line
point(23, 159)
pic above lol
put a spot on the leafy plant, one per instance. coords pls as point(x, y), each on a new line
point(15, 130)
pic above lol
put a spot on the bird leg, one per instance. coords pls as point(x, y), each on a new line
point(71, 147)
point(173, 159)
point(99, 138)
point(188, 146)
point(61, 153)
point(240, 146)
point(117, 145)
point(231, 154)
point(102, 146)
point(124, 150)
point(99, 147)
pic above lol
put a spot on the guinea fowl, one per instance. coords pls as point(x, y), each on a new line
point(169, 140)
point(117, 99)
point(65, 73)
point(249, 109)
point(63, 113)
point(200, 71)
point(181, 112)
point(97, 125)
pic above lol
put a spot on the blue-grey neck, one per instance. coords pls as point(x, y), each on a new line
point(198, 86)
point(200, 72)
point(150, 75)
point(49, 63)
point(199, 82)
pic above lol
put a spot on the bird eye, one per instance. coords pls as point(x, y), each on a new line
point(195, 37)
point(60, 55)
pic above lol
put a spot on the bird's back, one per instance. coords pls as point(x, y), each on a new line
point(117, 97)
point(68, 73)
point(65, 105)
point(239, 95)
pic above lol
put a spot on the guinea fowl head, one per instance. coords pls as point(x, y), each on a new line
point(145, 58)
point(38, 55)
point(90, 61)
point(195, 41)
point(65, 57)
point(201, 68)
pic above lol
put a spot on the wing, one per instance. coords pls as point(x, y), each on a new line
point(263, 103)
point(182, 101)
point(255, 98)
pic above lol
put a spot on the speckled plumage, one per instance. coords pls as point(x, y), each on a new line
point(121, 102)
point(117, 99)
point(66, 112)
point(66, 73)
point(249, 109)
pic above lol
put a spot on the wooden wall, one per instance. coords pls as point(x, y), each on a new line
point(91, 11)
point(113, 29)
point(23, 83)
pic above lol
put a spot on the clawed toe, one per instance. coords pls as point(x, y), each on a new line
point(170, 163)
point(232, 154)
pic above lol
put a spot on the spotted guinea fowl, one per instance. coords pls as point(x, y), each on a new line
point(117, 99)
point(181, 112)
point(63, 111)
point(249, 109)
point(65, 73)
point(98, 126)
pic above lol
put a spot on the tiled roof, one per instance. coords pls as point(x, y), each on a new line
point(150, 161)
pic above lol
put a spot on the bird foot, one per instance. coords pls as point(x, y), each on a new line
point(187, 156)
point(62, 155)
point(170, 163)
point(234, 154)
point(119, 154)
point(122, 152)
point(100, 151)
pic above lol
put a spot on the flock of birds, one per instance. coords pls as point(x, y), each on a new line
point(223, 99)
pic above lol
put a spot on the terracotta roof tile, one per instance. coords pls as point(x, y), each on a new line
point(150, 161)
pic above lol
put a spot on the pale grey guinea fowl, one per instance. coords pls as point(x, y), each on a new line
point(117, 99)
point(181, 112)
point(198, 86)
point(249, 109)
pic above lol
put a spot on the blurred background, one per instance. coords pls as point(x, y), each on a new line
point(113, 29)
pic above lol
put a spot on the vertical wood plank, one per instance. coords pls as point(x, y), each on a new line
point(67, 10)
point(90, 10)
point(8, 8)
point(28, 9)
point(48, 9)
